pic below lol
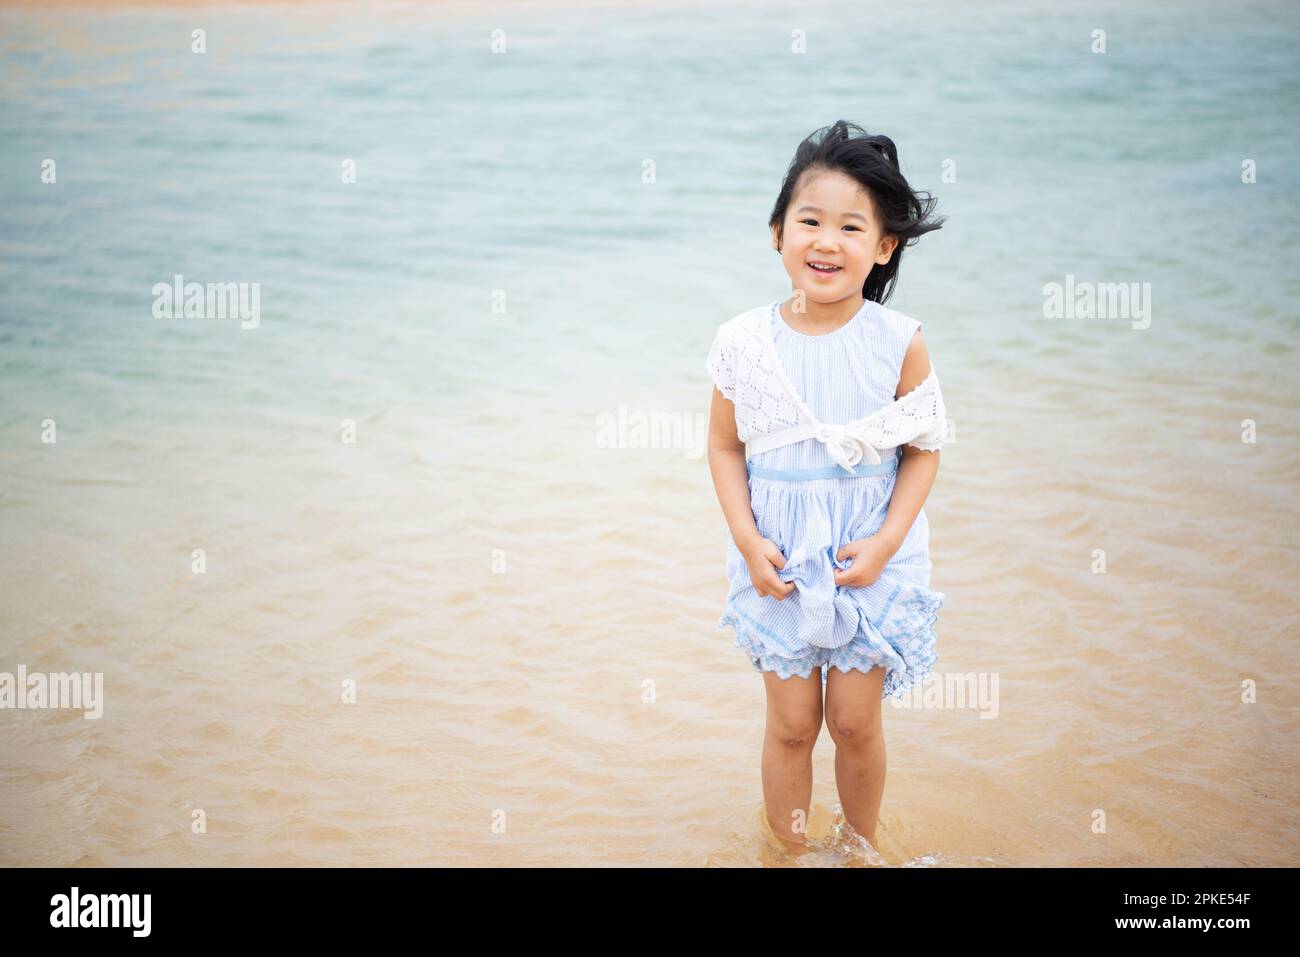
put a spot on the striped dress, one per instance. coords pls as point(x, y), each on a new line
point(843, 375)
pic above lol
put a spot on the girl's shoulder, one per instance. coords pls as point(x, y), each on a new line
point(736, 356)
point(898, 329)
point(900, 324)
point(747, 325)
point(743, 332)
point(744, 323)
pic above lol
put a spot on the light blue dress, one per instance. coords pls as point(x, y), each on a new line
point(843, 375)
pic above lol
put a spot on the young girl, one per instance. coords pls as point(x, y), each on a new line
point(824, 439)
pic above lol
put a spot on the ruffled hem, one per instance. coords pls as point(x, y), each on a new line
point(906, 647)
point(918, 658)
point(764, 660)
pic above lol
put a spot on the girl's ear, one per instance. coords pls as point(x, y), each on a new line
point(776, 239)
point(887, 246)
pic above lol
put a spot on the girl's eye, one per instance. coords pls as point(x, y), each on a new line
point(813, 222)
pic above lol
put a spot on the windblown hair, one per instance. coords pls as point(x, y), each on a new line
point(872, 161)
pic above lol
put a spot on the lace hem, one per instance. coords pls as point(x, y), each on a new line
point(918, 663)
point(918, 417)
point(721, 366)
point(863, 653)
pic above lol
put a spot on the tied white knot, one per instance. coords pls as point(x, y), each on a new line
point(846, 446)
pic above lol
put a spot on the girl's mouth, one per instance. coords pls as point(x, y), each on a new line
point(823, 269)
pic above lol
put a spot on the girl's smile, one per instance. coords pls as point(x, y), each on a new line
point(829, 241)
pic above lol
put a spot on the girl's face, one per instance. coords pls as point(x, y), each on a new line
point(831, 221)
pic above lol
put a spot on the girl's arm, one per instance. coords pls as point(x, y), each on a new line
point(730, 476)
point(731, 482)
point(917, 469)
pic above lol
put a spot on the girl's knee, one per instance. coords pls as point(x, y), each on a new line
point(854, 726)
point(795, 731)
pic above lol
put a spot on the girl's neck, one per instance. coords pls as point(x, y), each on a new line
point(819, 318)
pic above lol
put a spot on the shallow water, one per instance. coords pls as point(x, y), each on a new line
point(528, 610)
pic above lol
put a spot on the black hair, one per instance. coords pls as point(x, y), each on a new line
point(871, 160)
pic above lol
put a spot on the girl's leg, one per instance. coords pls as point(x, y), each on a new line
point(853, 718)
point(794, 719)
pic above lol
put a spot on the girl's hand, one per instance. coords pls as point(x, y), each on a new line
point(762, 558)
point(870, 556)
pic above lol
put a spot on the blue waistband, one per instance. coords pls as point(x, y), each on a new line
point(834, 471)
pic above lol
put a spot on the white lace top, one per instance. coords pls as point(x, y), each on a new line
point(848, 375)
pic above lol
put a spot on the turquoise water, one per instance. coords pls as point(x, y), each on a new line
point(521, 171)
point(486, 179)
